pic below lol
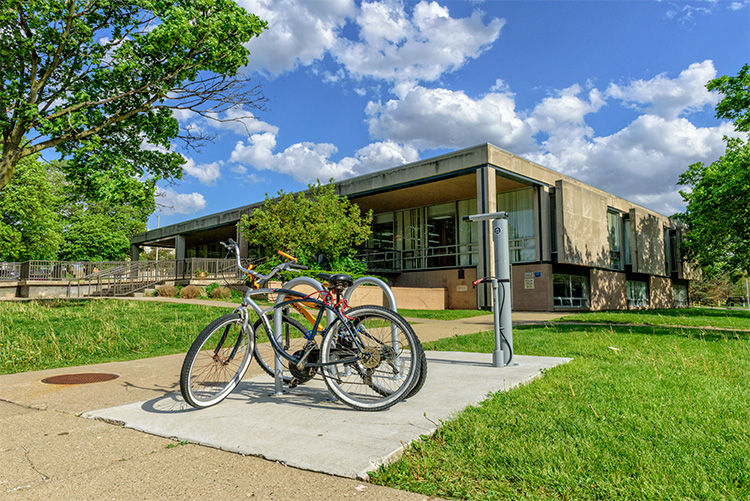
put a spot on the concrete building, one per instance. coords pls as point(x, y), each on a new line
point(572, 246)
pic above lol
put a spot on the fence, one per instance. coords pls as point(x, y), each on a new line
point(445, 256)
point(64, 271)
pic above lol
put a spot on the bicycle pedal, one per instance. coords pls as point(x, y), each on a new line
point(293, 383)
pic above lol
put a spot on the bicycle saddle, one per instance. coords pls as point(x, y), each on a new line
point(338, 280)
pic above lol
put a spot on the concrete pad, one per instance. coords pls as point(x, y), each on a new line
point(304, 429)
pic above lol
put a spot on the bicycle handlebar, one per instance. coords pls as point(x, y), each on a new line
point(233, 246)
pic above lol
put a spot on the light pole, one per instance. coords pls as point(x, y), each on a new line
point(157, 227)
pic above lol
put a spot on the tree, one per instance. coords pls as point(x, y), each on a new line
point(30, 223)
point(97, 80)
point(42, 217)
point(321, 222)
point(718, 203)
point(100, 232)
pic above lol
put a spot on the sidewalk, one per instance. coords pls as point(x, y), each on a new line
point(49, 452)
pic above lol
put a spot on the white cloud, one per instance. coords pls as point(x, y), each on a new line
point(308, 162)
point(641, 162)
point(170, 202)
point(384, 155)
point(565, 109)
point(441, 118)
point(305, 162)
point(205, 173)
point(396, 47)
point(671, 97)
point(298, 33)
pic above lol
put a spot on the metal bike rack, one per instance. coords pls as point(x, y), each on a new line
point(373, 281)
point(391, 303)
point(503, 353)
point(278, 367)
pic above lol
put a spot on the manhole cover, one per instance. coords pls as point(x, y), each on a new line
point(79, 378)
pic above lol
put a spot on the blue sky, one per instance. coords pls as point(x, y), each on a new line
point(609, 92)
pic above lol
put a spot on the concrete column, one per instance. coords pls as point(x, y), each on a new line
point(179, 255)
point(543, 224)
point(244, 250)
point(179, 247)
point(486, 202)
point(135, 252)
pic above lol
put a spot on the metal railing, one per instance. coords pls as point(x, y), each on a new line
point(446, 256)
point(136, 276)
point(64, 270)
point(10, 271)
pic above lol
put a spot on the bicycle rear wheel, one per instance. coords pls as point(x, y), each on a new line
point(216, 361)
point(380, 367)
point(292, 340)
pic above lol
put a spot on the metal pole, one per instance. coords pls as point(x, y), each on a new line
point(503, 353)
point(278, 367)
point(157, 227)
point(502, 306)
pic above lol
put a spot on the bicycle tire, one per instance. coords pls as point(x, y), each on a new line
point(216, 361)
point(422, 377)
point(291, 341)
point(383, 375)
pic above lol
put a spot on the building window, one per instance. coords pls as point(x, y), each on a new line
point(626, 240)
point(409, 237)
point(441, 235)
point(670, 250)
point(380, 254)
point(637, 294)
point(570, 291)
point(519, 205)
point(468, 234)
point(614, 230)
point(680, 293)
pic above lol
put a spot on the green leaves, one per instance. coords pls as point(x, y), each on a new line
point(42, 216)
point(735, 105)
point(718, 201)
point(718, 211)
point(320, 222)
point(97, 75)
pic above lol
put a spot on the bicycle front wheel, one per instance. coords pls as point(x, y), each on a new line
point(375, 360)
point(216, 361)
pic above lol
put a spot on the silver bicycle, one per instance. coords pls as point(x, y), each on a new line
point(369, 356)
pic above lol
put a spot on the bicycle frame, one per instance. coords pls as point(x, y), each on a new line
point(310, 335)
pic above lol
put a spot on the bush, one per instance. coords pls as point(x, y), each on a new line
point(166, 291)
point(210, 287)
point(221, 293)
point(190, 292)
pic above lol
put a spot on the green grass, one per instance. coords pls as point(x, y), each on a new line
point(46, 334)
point(640, 413)
point(692, 317)
point(442, 314)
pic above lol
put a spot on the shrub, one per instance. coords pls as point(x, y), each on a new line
point(166, 291)
point(190, 292)
point(221, 293)
point(210, 287)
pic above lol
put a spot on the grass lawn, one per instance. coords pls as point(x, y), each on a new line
point(694, 317)
point(640, 413)
point(38, 335)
